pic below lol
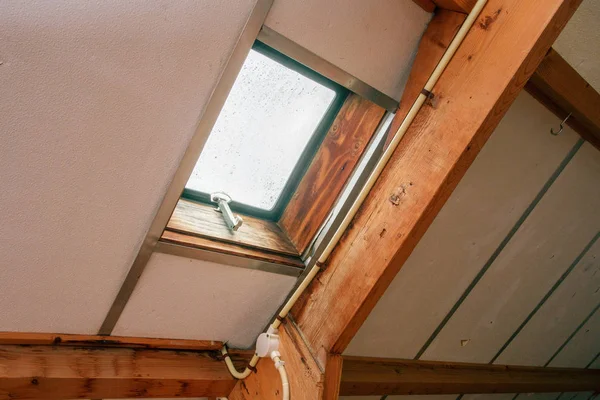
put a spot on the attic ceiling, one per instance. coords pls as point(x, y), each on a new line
point(100, 100)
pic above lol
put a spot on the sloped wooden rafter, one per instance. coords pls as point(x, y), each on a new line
point(496, 59)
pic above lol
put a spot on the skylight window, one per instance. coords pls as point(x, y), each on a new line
point(273, 121)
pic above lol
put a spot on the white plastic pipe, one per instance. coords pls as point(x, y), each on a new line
point(412, 113)
point(280, 365)
point(435, 76)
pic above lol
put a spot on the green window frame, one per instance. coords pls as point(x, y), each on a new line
point(307, 154)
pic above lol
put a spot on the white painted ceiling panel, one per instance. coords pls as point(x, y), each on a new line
point(374, 40)
point(507, 174)
point(581, 349)
point(569, 305)
point(99, 100)
point(578, 353)
point(545, 245)
point(182, 298)
point(579, 42)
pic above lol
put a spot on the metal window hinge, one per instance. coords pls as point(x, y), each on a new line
point(222, 199)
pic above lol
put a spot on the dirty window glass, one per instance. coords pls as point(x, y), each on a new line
point(261, 133)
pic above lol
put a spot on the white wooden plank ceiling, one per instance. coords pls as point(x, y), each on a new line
point(505, 178)
point(537, 304)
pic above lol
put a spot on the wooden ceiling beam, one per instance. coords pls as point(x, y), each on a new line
point(69, 371)
point(427, 5)
point(463, 6)
point(364, 376)
point(562, 90)
point(66, 372)
point(496, 59)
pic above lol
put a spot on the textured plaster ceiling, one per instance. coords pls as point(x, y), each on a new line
point(374, 40)
point(99, 101)
point(192, 299)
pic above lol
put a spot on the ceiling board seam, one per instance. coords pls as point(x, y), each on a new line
point(573, 334)
point(593, 360)
point(547, 296)
point(581, 325)
point(502, 245)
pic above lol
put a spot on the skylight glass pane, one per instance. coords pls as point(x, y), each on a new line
point(268, 119)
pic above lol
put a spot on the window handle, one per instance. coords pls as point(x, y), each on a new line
point(222, 199)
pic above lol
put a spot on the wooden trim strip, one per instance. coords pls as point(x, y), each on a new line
point(559, 87)
point(181, 245)
point(364, 376)
point(56, 339)
point(204, 221)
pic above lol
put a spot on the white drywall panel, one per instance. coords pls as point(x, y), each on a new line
point(510, 170)
point(182, 298)
point(545, 245)
point(373, 40)
point(561, 314)
point(99, 101)
point(578, 42)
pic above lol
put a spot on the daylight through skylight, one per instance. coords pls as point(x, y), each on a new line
point(266, 123)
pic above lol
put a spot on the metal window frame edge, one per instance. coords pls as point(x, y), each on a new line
point(227, 259)
point(309, 59)
point(206, 121)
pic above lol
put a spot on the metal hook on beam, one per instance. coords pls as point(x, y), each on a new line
point(561, 126)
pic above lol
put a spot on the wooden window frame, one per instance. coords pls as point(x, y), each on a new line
point(283, 241)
